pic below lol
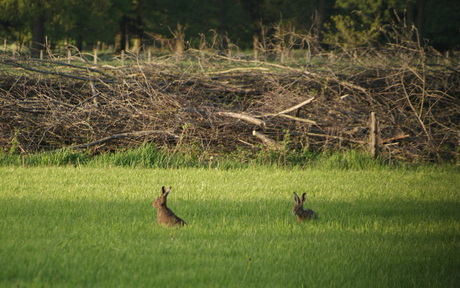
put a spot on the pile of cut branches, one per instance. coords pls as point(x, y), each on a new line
point(50, 105)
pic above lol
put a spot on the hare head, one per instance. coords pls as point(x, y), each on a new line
point(165, 215)
point(299, 211)
point(161, 201)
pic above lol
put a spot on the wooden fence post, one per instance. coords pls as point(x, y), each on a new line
point(95, 57)
point(373, 139)
point(255, 47)
point(69, 55)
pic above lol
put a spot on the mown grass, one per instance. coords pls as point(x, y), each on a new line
point(95, 227)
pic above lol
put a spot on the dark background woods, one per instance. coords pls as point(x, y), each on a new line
point(127, 23)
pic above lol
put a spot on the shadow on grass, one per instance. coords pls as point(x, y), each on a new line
point(216, 212)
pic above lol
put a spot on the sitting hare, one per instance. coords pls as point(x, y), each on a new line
point(299, 212)
point(165, 216)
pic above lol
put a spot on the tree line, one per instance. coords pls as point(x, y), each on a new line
point(83, 23)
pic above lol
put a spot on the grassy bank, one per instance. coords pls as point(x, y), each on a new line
point(94, 226)
point(149, 156)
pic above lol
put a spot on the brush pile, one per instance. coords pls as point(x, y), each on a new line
point(221, 105)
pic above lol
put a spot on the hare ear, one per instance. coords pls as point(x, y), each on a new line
point(304, 197)
point(296, 198)
point(166, 190)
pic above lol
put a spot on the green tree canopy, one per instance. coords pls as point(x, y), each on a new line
point(355, 22)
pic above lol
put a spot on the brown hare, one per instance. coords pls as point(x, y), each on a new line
point(299, 212)
point(165, 216)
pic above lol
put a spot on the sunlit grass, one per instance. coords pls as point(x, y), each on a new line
point(68, 227)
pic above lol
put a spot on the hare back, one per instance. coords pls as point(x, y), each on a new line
point(306, 215)
point(167, 217)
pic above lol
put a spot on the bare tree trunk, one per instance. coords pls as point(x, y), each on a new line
point(120, 37)
point(38, 35)
point(223, 17)
point(373, 141)
point(79, 43)
point(320, 18)
point(420, 16)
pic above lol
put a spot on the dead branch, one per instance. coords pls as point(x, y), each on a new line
point(395, 138)
point(121, 135)
point(270, 143)
point(241, 69)
point(247, 118)
point(298, 106)
point(284, 67)
point(297, 119)
point(336, 137)
point(48, 111)
point(17, 64)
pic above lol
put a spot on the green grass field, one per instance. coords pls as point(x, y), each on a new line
point(95, 227)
